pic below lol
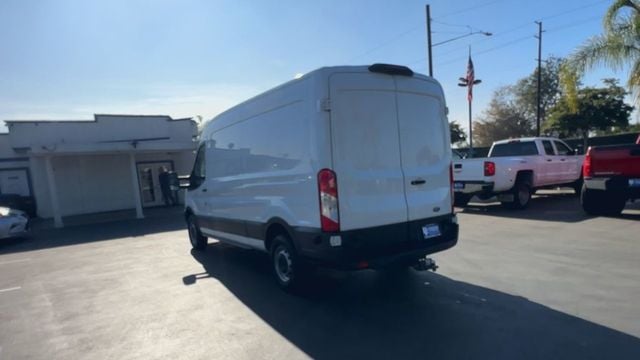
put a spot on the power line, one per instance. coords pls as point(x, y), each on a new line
point(527, 24)
point(469, 9)
point(496, 34)
point(498, 47)
point(576, 23)
point(574, 9)
point(394, 38)
point(518, 40)
point(448, 24)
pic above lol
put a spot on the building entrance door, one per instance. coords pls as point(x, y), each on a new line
point(149, 181)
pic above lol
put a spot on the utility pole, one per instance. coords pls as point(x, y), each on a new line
point(539, 109)
point(429, 40)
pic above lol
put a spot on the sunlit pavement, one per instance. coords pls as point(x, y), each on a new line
point(547, 282)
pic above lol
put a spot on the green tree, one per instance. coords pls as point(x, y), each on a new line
point(618, 46)
point(457, 134)
point(504, 118)
point(600, 109)
point(526, 89)
point(513, 109)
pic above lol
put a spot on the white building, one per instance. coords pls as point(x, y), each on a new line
point(81, 167)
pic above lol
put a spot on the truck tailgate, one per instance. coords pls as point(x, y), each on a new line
point(469, 170)
point(616, 160)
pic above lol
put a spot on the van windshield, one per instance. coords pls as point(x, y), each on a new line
point(516, 148)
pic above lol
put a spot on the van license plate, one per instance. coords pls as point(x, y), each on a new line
point(458, 185)
point(634, 182)
point(431, 230)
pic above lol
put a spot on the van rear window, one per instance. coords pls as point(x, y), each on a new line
point(517, 148)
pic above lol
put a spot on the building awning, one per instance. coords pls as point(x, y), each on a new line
point(109, 148)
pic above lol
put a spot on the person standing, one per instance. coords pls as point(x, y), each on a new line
point(168, 195)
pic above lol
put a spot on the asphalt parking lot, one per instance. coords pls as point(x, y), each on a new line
point(547, 282)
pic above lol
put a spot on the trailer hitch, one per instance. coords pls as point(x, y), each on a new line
point(426, 264)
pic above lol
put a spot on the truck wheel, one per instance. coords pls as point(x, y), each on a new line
point(577, 186)
point(521, 196)
point(461, 200)
point(591, 201)
point(614, 204)
point(287, 268)
point(198, 241)
point(598, 202)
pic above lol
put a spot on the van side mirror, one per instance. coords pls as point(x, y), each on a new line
point(184, 181)
point(193, 182)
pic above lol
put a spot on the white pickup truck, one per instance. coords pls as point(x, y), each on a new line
point(516, 168)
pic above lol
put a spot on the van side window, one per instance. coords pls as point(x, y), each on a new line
point(249, 146)
point(198, 173)
point(548, 148)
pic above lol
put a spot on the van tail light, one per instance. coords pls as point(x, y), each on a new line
point(451, 185)
point(328, 192)
point(489, 168)
point(587, 166)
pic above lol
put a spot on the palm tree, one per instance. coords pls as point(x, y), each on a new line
point(618, 46)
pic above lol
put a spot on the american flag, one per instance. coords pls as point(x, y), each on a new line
point(470, 79)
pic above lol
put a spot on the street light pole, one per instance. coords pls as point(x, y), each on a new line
point(430, 45)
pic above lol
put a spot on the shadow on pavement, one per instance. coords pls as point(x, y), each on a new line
point(407, 315)
point(546, 206)
point(161, 220)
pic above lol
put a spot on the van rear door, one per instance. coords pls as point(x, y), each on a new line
point(424, 147)
point(366, 150)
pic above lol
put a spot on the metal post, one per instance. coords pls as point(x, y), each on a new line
point(53, 194)
point(136, 185)
point(470, 132)
point(429, 47)
point(539, 109)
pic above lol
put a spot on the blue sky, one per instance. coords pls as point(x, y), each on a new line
point(69, 59)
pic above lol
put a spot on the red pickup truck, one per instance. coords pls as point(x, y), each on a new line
point(611, 178)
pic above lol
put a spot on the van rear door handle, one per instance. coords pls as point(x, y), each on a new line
point(418, 182)
point(549, 160)
point(204, 190)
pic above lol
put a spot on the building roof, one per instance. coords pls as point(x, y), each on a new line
point(95, 118)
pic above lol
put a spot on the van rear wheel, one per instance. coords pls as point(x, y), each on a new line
point(285, 263)
point(198, 241)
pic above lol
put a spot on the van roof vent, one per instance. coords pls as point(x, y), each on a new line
point(391, 69)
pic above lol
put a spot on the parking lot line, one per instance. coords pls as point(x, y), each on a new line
point(14, 261)
point(10, 289)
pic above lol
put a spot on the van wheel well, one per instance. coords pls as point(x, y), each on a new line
point(274, 230)
point(525, 176)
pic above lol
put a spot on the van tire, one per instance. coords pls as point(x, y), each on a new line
point(286, 266)
point(198, 241)
point(521, 192)
point(461, 200)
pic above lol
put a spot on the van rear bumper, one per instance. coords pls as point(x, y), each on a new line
point(376, 247)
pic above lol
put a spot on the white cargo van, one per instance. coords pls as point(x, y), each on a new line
point(347, 167)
